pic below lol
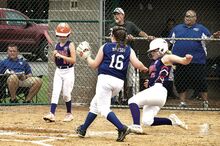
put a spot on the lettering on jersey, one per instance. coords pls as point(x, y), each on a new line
point(153, 69)
point(122, 50)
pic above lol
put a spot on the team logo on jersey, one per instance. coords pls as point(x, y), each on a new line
point(196, 29)
point(65, 48)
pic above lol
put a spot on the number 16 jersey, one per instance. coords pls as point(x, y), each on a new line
point(115, 60)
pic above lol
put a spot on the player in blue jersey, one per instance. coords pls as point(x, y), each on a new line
point(112, 62)
point(154, 97)
point(65, 57)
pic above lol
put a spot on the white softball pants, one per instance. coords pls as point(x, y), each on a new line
point(107, 86)
point(151, 99)
point(63, 80)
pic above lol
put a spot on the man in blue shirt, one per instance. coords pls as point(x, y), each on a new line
point(20, 75)
point(192, 76)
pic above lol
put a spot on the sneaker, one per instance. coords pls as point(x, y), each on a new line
point(68, 117)
point(123, 133)
point(177, 122)
point(136, 129)
point(205, 104)
point(49, 118)
point(182, 104)
point(81, 133)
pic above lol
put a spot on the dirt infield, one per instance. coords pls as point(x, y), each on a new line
point(23, 125)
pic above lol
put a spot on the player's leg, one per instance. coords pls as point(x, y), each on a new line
point(150, 97)
point(68, 83)
point(57, 86)
point(110, 86)
point(81, 130)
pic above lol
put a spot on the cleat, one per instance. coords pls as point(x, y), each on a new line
point(177, 122)
point(49, 118)
point(136, 129)
point(81, 133)
point(68, 117)
point(183, 104)
point(122, 134)
point(205, 104)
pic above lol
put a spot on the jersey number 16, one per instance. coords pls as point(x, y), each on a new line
point(117, 62)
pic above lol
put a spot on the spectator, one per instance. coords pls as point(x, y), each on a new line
point(192, 76)
point(132, 31)
point(170, 23)
point(20, 75)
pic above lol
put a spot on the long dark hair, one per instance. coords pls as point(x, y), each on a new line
point(120, 35)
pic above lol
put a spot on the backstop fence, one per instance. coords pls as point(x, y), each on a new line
point(90, 21)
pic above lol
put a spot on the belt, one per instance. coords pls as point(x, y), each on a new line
point(64, 67)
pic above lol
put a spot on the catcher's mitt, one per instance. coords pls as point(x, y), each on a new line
point(84, 50)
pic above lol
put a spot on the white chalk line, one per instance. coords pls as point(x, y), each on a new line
point(51, 138)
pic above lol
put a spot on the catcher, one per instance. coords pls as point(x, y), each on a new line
point(112, 62)
point(65, 58)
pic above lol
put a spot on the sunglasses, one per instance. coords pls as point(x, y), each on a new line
point(188, 16)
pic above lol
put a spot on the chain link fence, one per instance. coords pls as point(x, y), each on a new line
point(90, 20)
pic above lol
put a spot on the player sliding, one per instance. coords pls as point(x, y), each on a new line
point(154, 97)
point(112, 62)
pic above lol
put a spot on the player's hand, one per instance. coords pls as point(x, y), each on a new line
point(188, 58)
point(145, 70)
point(146, 82)
point(55, 52)
point(83, 50)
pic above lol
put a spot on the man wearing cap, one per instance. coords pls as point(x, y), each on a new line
point(132, 31)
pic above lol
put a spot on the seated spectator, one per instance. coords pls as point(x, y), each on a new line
point(20, 75)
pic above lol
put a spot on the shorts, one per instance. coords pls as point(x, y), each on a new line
point(192, 76)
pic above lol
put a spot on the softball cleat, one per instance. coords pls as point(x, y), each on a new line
point(49, 118)
point(177, 122)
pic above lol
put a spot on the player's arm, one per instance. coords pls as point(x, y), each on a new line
point(171, 59)
point(94, 63)
point(72, 58)
point(136, 62)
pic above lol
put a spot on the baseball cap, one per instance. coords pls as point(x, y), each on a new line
point(118, 10)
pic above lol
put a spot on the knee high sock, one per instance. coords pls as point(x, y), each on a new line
point(68, 106)
point(161, 121)
point(53, 108)
point(89, 119)
point(115, 121)
point(135, 112)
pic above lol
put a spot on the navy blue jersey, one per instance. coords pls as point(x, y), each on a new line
point(17, 66)
point(159, 73)
point(65, 51)
point(196, 48)
point(115, 60)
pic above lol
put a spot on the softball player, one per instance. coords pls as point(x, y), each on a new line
point(65, 58)
point(154, 97)
point(112, 62)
